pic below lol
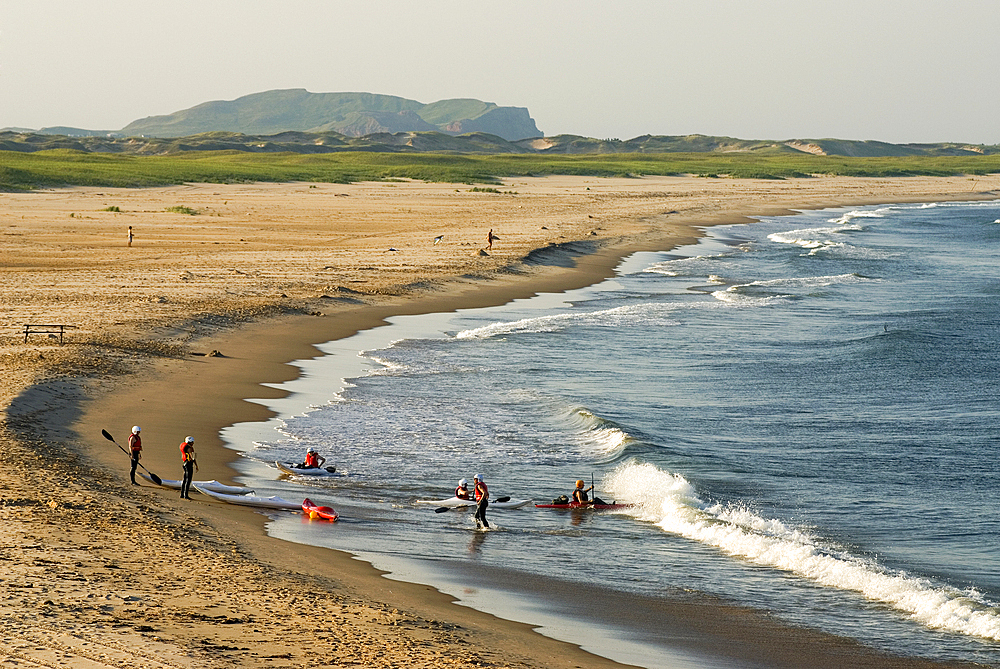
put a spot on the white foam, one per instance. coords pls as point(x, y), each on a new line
point(670, 502)
point(632, 315)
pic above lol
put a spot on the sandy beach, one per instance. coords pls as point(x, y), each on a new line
point(221, 287)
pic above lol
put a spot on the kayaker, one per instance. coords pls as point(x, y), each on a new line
point(135, 450)
point(580, 494)
point(313, 459)
point(190, 465)
point(462, 491)
point(482, 500)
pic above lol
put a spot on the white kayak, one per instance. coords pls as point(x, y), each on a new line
point(290, 468)
point(252, 500)
point(459, 503)
point(214, 486)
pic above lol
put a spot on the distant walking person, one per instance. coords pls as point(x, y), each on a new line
point(190, 465)
point(130, 235)
point(489, 239)
point(482, 501)
point(135, 450)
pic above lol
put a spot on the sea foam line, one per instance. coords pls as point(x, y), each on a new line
point(670, 502)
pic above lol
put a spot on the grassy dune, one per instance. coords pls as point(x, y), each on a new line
point(47, 169)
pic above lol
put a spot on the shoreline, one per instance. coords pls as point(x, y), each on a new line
point(210, 393)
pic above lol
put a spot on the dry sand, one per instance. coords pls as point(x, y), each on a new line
point(103, 574)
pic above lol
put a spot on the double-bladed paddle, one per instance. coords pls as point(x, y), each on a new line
point(442, 509)
point(156, 479)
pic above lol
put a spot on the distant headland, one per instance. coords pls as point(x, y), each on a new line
point(298, 121)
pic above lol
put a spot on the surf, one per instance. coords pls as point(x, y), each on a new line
point(668, 501)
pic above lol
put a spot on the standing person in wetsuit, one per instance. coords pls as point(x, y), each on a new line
point(190, 465)
point(482, 501)
point(135, 450)
point(462, 491)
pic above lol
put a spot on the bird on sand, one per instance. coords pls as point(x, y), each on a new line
point(438, 239)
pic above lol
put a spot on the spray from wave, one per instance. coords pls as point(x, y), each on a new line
point(670, 502)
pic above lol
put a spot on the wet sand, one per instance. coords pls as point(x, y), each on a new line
point(102, 573)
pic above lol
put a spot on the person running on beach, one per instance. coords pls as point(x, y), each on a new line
point(482, 501)
point(190, 465)
point(489, 239)
point(313, 459)
point(135, 450)
point(462, 491)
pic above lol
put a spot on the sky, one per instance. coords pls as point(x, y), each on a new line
point(895, 71)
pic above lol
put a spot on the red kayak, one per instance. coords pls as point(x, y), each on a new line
point(578, 505)
point(314, 511)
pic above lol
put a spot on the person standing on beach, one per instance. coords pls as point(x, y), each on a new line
point(135, 450)
point(489, 240)
point(130, 235)
point(190, 465)
point(482, 501)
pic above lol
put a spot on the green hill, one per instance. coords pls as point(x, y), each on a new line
point(351, 114)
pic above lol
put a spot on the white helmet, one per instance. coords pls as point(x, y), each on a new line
point(188, 440)
point(478, 477)
point(463, 483)
point(311, 450)
point(135, 429)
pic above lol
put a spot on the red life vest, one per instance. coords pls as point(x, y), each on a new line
point(186, 451)
point(462, 493)
point(312, 460)
point(481, 490)
point(134, 443)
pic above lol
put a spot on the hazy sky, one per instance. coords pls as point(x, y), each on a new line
point(906, 71)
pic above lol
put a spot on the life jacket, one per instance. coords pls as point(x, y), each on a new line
point(580, 495)
point(462, 493)
point(186, 451)
point(481, 491)
point(312, 460)
point(134, 443)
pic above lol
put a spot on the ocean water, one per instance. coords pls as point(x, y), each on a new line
point(804, 412)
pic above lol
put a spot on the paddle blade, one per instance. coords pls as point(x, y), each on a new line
point(156, 479)
point(107, 436)
point(441, 509)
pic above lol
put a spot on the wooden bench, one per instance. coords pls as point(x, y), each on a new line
point(37, 328)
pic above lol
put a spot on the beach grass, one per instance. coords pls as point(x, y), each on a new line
point(61, 167)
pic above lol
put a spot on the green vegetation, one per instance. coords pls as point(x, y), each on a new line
point(63, 167)
point(181, 209)
point(113, 208)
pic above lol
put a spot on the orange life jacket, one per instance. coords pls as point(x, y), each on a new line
point(134, 443)
point(312, 460)
point(187, 452)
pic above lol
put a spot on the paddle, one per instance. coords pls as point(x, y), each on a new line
point(442, 509)
point(156, 479)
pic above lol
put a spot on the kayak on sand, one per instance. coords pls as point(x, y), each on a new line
point(213, 485)
point(250, 500)
point(295, 470)
point(315, 511)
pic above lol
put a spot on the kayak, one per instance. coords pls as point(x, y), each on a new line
point(214, 486)
point(315, 511)
point(459, 503)
point(290, 468)
point(250, 500)
point(577, 505)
